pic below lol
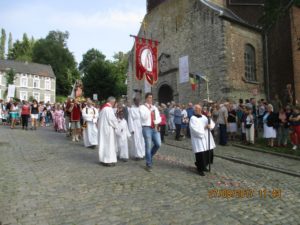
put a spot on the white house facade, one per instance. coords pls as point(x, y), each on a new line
point(32, 80)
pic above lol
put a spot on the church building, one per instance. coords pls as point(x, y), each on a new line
point(223, 51)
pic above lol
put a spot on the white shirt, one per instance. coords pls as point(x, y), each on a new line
point(145, 112)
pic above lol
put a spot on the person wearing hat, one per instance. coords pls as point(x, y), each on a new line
point(90, 131)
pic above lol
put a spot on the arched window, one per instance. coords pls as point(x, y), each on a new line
point(250, 63)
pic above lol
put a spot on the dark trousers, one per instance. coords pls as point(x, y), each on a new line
point(162, 132)
point(223, 134)
point(178, 129)
point(203, 159)
point(25, 120)
point(188, 131)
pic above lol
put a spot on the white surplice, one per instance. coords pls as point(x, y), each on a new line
point(199, 134)
point(107, 125)
point(90, 133)
point(137, 148)
point(123, 135)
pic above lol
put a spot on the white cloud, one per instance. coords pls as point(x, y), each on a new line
point(112, 19)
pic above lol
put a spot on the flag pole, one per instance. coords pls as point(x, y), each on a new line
point(209, 153)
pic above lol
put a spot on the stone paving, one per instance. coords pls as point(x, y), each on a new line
point(291, 165)
point(46, 179)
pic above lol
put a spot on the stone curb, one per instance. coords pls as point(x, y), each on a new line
point(266, 151)
point(241, 161)
point(294, 174)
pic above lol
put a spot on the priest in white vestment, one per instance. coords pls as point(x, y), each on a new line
point(123, 135)
point(107, 126)
point(202, 148)
point(137, 147)
point(90, 130)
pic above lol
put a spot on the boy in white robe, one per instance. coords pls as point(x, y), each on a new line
point(137, 150)
point(90, 131)
point(123, 134)
point(202, 149)
point(107, 125)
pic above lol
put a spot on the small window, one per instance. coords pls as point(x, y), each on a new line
point(36, 96)
point(24, 82)
point(250, 63)
point(47, 98)
point(23, 95)
point(36, 83)
point(47, 84)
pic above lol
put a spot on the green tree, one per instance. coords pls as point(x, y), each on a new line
point(10, 77)
point(120, 66)
point(53, 51)
point(10, 42)
point(2, 44)
point(22, 50)
point(88, 58)
point(104, 77)
point(99, 79)
point(59, 37)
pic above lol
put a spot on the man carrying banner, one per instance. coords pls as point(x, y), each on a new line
point(150, 119)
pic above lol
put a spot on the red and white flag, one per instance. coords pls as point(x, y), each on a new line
point(146, 60)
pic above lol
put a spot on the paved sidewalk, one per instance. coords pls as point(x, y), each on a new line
point(46, 179)
point(255, 157)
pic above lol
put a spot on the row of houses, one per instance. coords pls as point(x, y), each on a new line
point(32, 80)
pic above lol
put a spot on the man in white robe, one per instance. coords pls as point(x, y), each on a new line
point(90, 130)
point(202, 148)
point(137, 148)
point(107, 125)
point(123, 135)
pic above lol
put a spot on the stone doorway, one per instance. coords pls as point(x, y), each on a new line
point(165, 94)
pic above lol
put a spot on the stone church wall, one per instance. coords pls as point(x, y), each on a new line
point(191, 28)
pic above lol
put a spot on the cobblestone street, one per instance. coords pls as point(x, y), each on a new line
point(47, 179)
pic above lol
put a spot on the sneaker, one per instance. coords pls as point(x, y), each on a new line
point(294, 147)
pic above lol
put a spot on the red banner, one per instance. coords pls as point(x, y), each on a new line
point(146, 60)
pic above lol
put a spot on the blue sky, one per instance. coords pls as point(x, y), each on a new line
point(101, 24)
